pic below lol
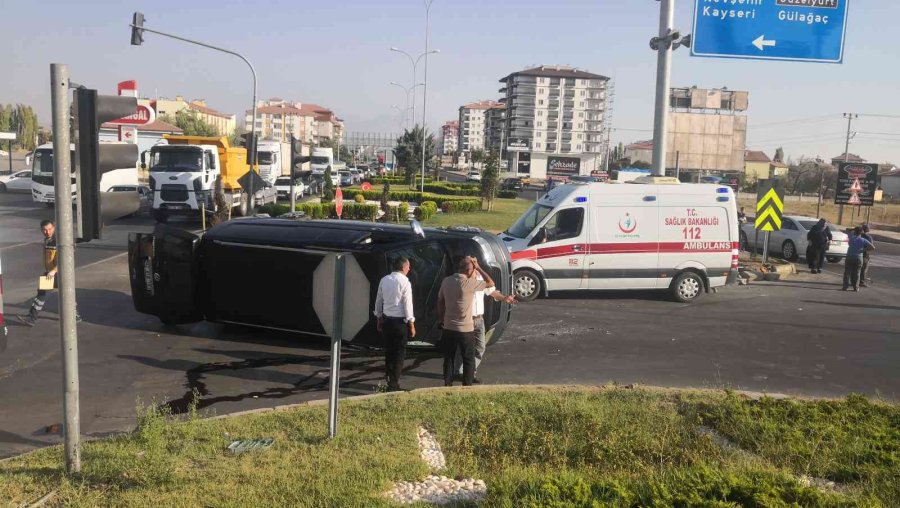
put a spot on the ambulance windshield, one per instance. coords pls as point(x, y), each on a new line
point(529, 221)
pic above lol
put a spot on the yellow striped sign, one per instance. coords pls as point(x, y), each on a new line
point(769, 205)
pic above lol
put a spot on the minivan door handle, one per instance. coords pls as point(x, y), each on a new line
point(577, 248)
point(649, 198)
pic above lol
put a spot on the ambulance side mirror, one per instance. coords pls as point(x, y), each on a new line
point(539, 237)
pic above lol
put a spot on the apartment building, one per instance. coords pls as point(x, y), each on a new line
point(471, 126)
point(554, 120)
point(449, 138)
point(279, 119)
point(494, 129)
point(224, 122)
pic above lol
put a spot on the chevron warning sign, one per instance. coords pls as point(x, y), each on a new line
point(769, 204)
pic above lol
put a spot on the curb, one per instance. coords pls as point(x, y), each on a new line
point(884, 239)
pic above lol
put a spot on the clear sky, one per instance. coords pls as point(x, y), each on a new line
point(336, 53)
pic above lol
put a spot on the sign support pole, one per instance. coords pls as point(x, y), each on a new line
point(765, 252)
point(59, 92)
point(849, 117)
point(663, 46)
point(336, 336)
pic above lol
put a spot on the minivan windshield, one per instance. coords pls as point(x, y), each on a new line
point(529, 221)
point(318, 160)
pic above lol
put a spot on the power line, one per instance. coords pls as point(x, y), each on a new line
point(812, 119)
point(874, 115)
point(880, 133)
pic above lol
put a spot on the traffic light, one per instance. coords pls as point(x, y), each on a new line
point(96, 208)
point(137, 29)
point(297, 157)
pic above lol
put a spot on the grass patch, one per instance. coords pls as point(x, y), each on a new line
point(561, 447)
point(505, 213)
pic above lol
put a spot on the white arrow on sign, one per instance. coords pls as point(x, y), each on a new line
point(761, 42)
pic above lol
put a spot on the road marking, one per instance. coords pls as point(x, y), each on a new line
point(101, 261)
point(18, 245)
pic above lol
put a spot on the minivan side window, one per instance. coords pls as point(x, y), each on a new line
point(565, 224)
point(428, 265)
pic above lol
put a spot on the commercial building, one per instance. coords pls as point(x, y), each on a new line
point(223, 122)
point(707, 130)
point(494, 130)
point(449, 138)
point(554, 120)
point(471, 127)
point(278, 119)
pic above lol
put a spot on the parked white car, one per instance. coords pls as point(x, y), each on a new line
point(20, 181)
point(473, 176)
point(283, 188)
point(790, 242)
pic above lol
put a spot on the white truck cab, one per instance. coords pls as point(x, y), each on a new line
point(651, 234)
point(182, 177)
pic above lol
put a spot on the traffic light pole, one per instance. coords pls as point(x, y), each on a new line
point(251, 149)
point(65, 242)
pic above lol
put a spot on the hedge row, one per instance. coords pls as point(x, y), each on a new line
point(453, 189)
point(461, 206)
point(398, 213)
point(394, 180)
point(414, 196)
point(507, 194)
point(426, 210)
point(352, 211)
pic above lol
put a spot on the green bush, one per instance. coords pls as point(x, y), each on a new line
point(507, 194)
point(395, 180)
point(414, 196)
point(453, 189)
point(426, 210)
point(397, 213)
point(359, 198)
point(461, 206)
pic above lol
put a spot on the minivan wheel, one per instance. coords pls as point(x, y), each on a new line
point(789, 251)
point(687, 287)
point(526, 285)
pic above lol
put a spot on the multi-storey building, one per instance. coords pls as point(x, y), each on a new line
point(494, 129)
point(554, 120)
point(449, 138)
point(279, 120)
point(223, 122)
point(471, 126)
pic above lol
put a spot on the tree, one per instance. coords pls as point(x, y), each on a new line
point(490, 180)
point(328, 192)
point(477, 156)
point(408, 152)
point(641, 165)
point(22, 120)
point(190, 122)
point(235, 139)
point(779, 154)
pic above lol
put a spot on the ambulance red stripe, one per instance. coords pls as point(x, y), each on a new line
point(625, 248)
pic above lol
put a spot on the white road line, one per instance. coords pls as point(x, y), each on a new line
point(17, 245)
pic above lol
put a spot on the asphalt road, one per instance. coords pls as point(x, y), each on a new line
point(802, 337)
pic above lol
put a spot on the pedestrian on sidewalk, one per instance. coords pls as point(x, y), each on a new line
point(818, 237)
point(454, 310)
point(48, 229)
point(396, 319)
point(852, 265)
point(478, 321)
point(864, 271)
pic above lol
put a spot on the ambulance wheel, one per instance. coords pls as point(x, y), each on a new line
point(687, 287)
point(526, 285)
point(789, 251)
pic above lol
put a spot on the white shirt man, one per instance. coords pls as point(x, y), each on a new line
point(478, 318)
point(396, 320)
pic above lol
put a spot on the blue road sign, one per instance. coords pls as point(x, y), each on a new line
point(799, 30)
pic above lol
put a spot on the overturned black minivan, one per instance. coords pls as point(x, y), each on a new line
point(259, 272)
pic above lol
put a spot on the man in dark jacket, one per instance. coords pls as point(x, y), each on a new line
point(818, 237)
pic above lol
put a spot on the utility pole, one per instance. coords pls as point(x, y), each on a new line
point(663, 46)
point(849, 117)
point(65, 244)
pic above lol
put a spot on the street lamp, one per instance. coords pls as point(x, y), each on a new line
point(415, 63)
point(403, 114)
point(407, 90)
point(425, 90)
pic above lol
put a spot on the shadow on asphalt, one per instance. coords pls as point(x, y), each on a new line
point(858, 305)
point(658, 295)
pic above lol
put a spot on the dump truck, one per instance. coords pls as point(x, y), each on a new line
point(185, 173)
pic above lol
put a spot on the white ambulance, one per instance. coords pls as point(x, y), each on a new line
point(653, 233)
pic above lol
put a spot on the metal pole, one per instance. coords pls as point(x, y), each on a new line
point(9, 147)
point(336, 335)
point(849, 117)
point(677, 164)
point(251, 154)
point(424, 90)
point(663, 76)
point(608, 139)
point(765, 252)
point(65, 242)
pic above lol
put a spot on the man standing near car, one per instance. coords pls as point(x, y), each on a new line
point(864, 271)
point(478, 321)
point(857, 245)
point(818, 237)
point(396, 320)
point(454, 310)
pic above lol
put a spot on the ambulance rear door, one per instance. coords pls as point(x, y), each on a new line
point(695, 231)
